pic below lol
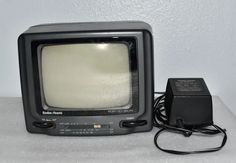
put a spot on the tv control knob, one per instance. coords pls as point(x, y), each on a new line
point(45, 125)
point(135, 123)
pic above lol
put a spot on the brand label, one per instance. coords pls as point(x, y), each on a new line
point(52, 113)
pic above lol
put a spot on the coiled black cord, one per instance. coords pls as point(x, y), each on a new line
point(161, 121)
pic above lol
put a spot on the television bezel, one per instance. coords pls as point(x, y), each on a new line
point(34, 76)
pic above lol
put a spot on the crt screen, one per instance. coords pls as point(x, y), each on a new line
point(87, 76)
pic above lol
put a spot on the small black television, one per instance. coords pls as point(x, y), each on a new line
point(87, 78)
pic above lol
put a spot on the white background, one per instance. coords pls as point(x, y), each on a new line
point(193, 38)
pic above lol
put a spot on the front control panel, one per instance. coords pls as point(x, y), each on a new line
point(73, 128)
point(86, 129)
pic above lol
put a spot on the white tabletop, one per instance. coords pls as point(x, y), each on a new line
point(17, 145)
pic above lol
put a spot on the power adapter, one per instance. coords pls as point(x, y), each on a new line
point(186, 108)
point(188, 102)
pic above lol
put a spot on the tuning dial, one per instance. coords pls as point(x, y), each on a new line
point(45, 125)
point(135, 123)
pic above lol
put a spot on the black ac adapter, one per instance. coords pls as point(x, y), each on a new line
point(188, 102)
point(186, 108)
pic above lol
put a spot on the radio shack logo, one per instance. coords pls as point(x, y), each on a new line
point(52, 113)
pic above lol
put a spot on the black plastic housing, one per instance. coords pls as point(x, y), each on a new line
point(188, 102)
point(103, 122)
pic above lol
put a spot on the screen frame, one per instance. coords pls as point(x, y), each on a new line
point(132, 67)
point(34, 77)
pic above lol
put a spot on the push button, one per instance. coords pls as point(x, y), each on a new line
point(130, 124)
point(43, 124)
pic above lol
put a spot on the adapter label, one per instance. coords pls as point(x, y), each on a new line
point(183, 85)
